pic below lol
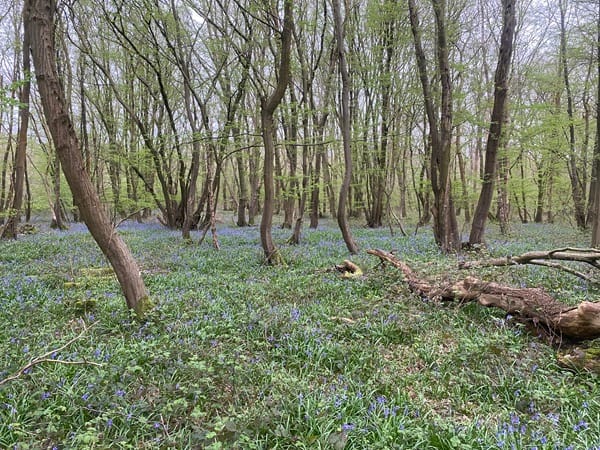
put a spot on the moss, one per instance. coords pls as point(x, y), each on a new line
point(582, 358)
point(143, 306)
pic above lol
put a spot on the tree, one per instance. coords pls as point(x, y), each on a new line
point(596, 162)
point(577, 190)
point(39, 15)
point(445, 226)
point(345, 126)
point(268, 106)
point(496, 122)
point(10, 228)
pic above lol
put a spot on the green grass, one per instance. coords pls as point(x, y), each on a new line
point(240, 355)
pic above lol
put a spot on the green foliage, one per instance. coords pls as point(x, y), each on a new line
point(236, 354)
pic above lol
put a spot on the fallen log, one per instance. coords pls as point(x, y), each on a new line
point(573, 322)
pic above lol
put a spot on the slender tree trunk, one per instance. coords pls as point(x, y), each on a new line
point(40, 16)
point(14, 217)
point(576, 186)
point(342, 217)
point(268, 107)
point(596, 215)
point(328, 179)
point(503, 203)
point(58, 215)
point(290, 191)
point(498, 114)
point(295, 237)
point(243, 186)
point(316, 189)
point(445, 226)
point(253, 206)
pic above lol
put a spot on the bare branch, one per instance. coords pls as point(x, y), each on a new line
point(47, 357)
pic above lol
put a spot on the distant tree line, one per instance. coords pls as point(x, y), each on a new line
point(377, 110)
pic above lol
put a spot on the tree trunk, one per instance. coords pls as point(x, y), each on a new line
point(268, 107)
point(253, 206)
point(342, 217)
point(498, 114)
point(445, 226)
point(576, 186)
point(316, 189)
point(503, 203)
point(243, 187)
point(14, 217)
point(596, 207)
point(40, 16)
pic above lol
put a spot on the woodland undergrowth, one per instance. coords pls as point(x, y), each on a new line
point(240, 355)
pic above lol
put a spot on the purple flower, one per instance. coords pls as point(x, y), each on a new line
point(348, 427)
point(109, 423)
point(295, 314)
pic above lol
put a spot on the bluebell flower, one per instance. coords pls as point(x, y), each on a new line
point(295, 314)
point(582, 425)
point(514, 419)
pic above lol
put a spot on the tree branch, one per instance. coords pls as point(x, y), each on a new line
point(46, 357)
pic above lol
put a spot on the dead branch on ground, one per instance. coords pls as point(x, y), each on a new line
point(574, 322)
point(590, 256)
point(47, 357)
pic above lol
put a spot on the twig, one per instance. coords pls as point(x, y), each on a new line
point(120, 222)
point(46, 357)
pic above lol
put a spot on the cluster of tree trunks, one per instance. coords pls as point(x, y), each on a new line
point(532, 304)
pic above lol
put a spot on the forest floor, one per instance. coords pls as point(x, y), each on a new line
point(240, 355)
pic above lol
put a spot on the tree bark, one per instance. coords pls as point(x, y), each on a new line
point(445, 226)
point(577, 190)
point(14, 217)
point(596, 183)
point(497, 119)
point(40, 16)
point(268, 107)
point(342, 217)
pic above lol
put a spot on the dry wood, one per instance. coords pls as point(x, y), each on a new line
point(573, 322)
point(47, 357)
point(589, 256)
point(349, 269)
